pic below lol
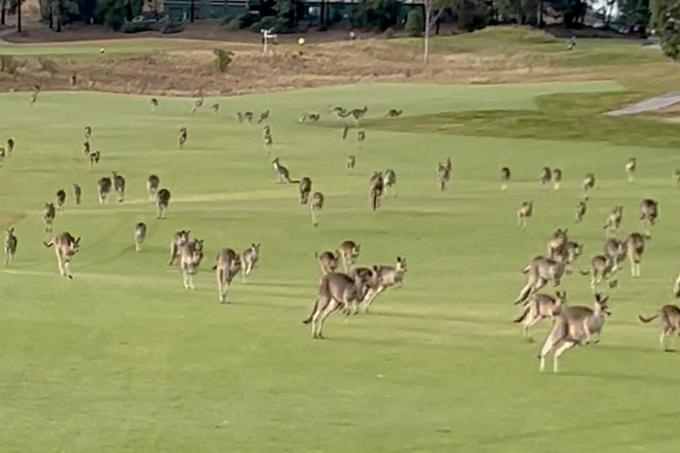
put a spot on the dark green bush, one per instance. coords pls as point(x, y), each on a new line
point(415, 23)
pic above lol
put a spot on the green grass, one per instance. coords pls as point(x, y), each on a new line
point(123, 359)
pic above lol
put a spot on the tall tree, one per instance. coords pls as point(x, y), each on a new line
point(3, 11)
point(433, 10)
point(669, 21)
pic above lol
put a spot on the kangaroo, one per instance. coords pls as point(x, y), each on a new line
point(180, 238)
point(182, 138)
point(676, 177)
point(345, 132)
point(95, 157)
point(263, 116)
point(361, 137)
point(86, 148)
point(305, 189)
point(154, 104)
point(65, 246)
point(676, 287)
point(10, 146)
point(556, 178)
point(267, 135)
point(649, 211)
point(249, 259)
point(215, 108)
point(572, 250)
point(357, 114)
point(140, 235)
point(87, 132)
point(616, 250)
point(239, 117)
point(539, 272)
point(328, 261)
point(670, 323)
point(630, 167)
point(349, 252)
point(588, 182)
point(376, 188)
point(119, 186)
point(557, 243)
point(10, 246)
point(311, 117)
point(190, 256)
point(387, 276)
point(505, 178)
point(198, 103)
point(336, 291)
point(581, 209)
point(340, 112)
point(575, 324)
point(152, 184)
point(104, 188)
point(635, 245)
point(60, 198)
point(602, 267)
point(393, 113)
point(444, 173)
point(389, 181)
point(350, 163)
point(162, 202)
point(315, 206)
point(613, 220)
point(248, 116)
point(545, 176)
point(526, 210)
point(77, 193)
point(282, 172)
point(228, 265)
point(538, 307)
point(49, 213)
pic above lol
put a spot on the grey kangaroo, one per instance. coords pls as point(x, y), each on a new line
point(65, 246)
point(10, 246)
point(602, 267)
point(190, 257)
point(588, 182)
point(635, 245)
point(670, 322)
point(282, 172)
point(630, 168)
point(613, 220)
point(180, 238)
point(444, 173)
point(538, 307)
point(649, 211)
point(119, 186)
point(60, 198)
point(249, 259)
point(104, 188)
point(162, 202)
point(539, 272)
point(525, 210)
point(140, 235)
point(505, 178)
point(49, 213)
point(152, 184)
point(328, 261)
point(305, 189)
point(574, 325)
point(315, 206)
point(77, 193)
point(349, 252)
point(227, 266)
point(387, 276)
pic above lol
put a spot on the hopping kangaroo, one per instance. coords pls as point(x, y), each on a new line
point(588, 182)
point(190, 256)
point(60, 198)
point(602, 267)
point(104, 188)
point(179, 239)
point(328, 261)
point(376, 188)
point(545, 176)
point(526, 210)
point(227, 267)
point(387, 276)
point(649, 211)
point(152, 184)
point(305, 189)
point(10, 245)
point(556, 178)
point(119, 186)
point(336, 291)
point(538, 307)
point(581, 209)
point(670, 322)
point(140, 235)
point(49, 213)
point(505, 177)
point(444, 173)
point(557, 243)
point(77, 193)
point(389, 177)
point(613, 220)
point(574, 325)
point(182, 138)
point(393, 113)
point(162, 202)
point(631, 165)
point(65, 246)
point(315, 206)
point(349, 252)
point(282, 172)
point(249, 259)
point(616, 250)
point(539, 272)
point(635, 245)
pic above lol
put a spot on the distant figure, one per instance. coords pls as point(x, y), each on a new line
point(352, 35)
point(571, 43)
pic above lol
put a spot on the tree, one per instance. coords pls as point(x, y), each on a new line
point(635, 13)
point(669, 20)
point(433, 10)
point(3, 11)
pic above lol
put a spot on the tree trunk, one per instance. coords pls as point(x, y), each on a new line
point(191, 12)
point(426, 49)
point(2, 12)
point(19, 17)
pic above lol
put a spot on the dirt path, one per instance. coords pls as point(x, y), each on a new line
point(649, 105)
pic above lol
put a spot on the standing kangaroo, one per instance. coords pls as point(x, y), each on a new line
point(670, 322)
point(336, 291)
point(444, 173)
point(119, 186)
point(305, 189)
point(190, 256)
point(60, 198)
point(545, 176)
point(376, 188)
point(228, 265)
point(10, 246)
point(581, 209)
point(182, 138)
point(635, 245)
point(180, 238)
point(649, 211)
point(613, 220)
point(387, 276)
point(630, 168)
point(152, 184)
point(556, 244)
point(282, 172)
point(505, 178)
point(574, 325)
point(538, 307)
point(104, 188)
point(249, 259)
point(349, 252)
point(162, 202)
point(525, 210)
point(588, 182)
point(77, 193)
point(315, 206)
point(539, 272)
point(616, 250)
point(389, 177)
point(328, 261)
point(140, 235)
point(65, 246)
point(556, 178)
point(49, 213)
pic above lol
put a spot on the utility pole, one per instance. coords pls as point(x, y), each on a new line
point(191, 12)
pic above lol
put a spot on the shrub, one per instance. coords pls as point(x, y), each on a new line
point(375, 14)
point(415, 22)
point(222, 59)
point(234, 24)
point(8, 64)
point(47, 65)
point(389, 33)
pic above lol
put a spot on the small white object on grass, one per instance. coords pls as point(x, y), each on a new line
point(301, 41)
point(101, 50)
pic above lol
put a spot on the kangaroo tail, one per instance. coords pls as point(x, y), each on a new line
point(214, 267)
point(311, 315)
point(293, 181)
point(526, 269)
point(650, 319)
point(523, 315)
point(582, 272)
point(48, 244)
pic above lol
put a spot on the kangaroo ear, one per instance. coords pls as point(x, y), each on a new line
point(375, 268)
point(77, 241)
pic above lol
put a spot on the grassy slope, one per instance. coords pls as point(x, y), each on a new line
point(123, 359)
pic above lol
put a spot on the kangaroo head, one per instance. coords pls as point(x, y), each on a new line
point(561, 296)
point(601, 303)
point(401, 264)
point(10, 231)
